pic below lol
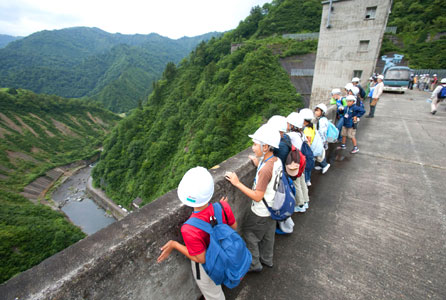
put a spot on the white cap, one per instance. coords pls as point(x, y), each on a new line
point(295, 119)
point(266, 134)
point(306, 114)
point(350, 98)
point(355, 90)
point(443, 80)
point(355, 79)
point(196, 188)
point(336, 91)
point(278, 122)
point(381, 77)
point(435, 74)
point(322, 107)
point(349, 86)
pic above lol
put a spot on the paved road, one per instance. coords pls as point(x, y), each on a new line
point(376, 228)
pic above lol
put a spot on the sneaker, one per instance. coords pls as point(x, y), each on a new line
point(324, 170)
point(355, 150)
point(369, 116)
point(434, 112)
point(306, 205)
point(342, 147)
point(255, 270)
point(308, 183)
point(300, 208)
point(265, 264)
point(318, 168)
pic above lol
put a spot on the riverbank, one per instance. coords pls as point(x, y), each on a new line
point(102, 200)
point(72, 199)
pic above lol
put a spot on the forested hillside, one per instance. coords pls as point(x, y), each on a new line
point(421, 34)
point(115, 69)
point(202, 110)
point(37, 133)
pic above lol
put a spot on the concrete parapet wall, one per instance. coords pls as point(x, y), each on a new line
point(119, 262)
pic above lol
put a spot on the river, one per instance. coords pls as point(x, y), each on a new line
point(79, 208)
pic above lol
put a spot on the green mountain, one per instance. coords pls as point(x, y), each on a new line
point(6, 39)
point(38, 133)
point(202, 110)
point(88, 62)
point(421, 33)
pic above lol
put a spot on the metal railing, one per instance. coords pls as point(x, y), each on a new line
point(441, 73)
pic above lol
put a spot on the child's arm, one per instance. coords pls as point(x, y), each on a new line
point(359, 111)
point(253, 194)
point(171, 245)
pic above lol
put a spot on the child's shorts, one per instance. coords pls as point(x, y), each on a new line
point(348, 132)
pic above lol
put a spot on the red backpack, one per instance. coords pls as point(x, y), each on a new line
point(295, 163)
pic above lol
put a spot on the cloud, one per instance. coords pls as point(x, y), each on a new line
point(172, 18)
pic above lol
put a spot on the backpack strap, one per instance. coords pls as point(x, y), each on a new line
point(200, 224)
point(218, 211)
point(223, 209)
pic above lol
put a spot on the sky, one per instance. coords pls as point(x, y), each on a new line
point(171, 18)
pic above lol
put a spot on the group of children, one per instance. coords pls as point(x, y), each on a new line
point(272, 143)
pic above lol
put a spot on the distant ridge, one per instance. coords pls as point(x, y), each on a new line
point(115, 69)
point(6, 39)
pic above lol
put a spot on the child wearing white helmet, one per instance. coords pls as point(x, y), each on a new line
point(351, 116)
point(295, 125)
point(322, 126)
point(280, 124)
point(195, 190)
point(361, 93)
point(258, 227)
point(341, 104)
point(438, 95)
point(310, 132)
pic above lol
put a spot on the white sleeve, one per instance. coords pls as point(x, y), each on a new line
point(436, 91)
point(323, 127)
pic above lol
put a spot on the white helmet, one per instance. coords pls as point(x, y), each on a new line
point(350, 98)
point(349, 86)
point(266, 134)
point(355, 90)
point(196, 188)
point(381, 77)
point(306, 114)
point(322, 107)
point(355, 79)
point(336, 91)
point(295, 119)
point(278, 122)
point(443, 80)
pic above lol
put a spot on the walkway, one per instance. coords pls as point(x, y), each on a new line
point(376, 228)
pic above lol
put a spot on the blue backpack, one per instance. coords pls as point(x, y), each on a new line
point(332, 133)
point(227, 258)
point(442, 93)
point(306, 150)
point(284, 199)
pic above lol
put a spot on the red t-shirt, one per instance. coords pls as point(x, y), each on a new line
point(197, 240)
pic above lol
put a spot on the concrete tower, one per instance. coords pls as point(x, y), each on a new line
point(349, 43)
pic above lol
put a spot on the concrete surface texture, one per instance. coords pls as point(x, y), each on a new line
point(376, 227)
point(351, 43)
